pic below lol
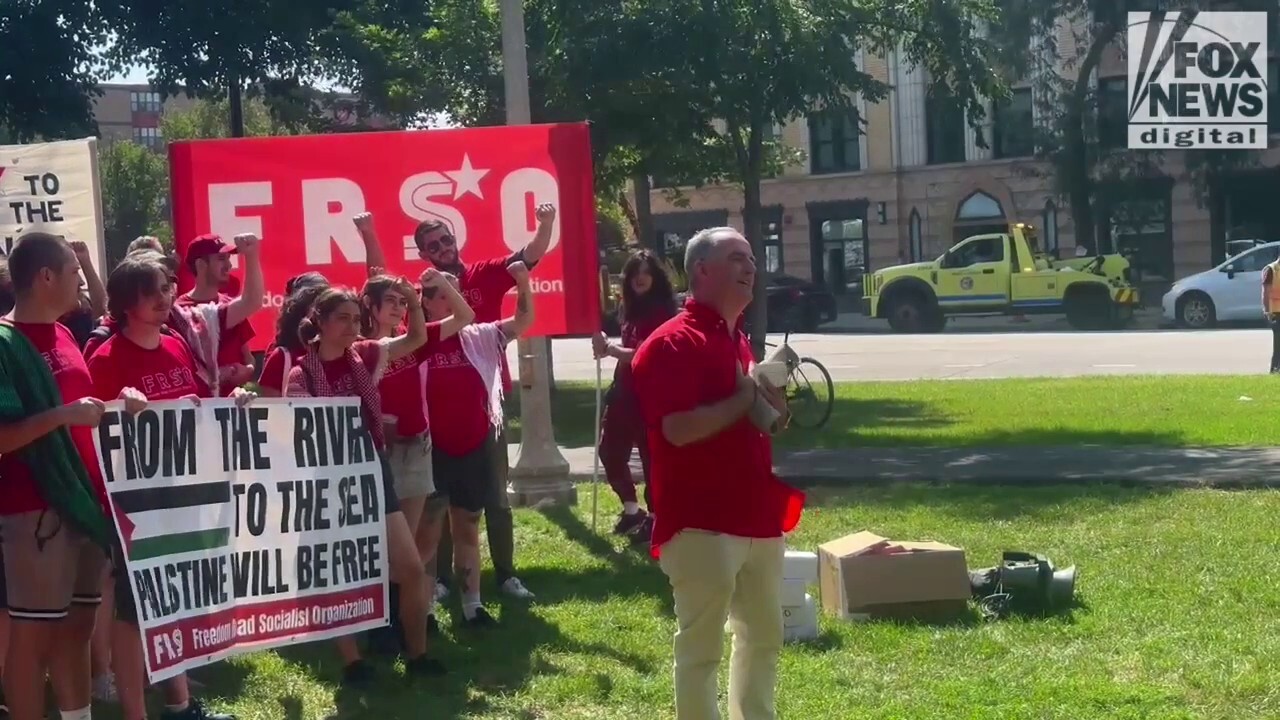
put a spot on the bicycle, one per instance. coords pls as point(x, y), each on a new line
point(805, 394)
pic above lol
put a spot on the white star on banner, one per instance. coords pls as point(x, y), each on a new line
point(467, 179)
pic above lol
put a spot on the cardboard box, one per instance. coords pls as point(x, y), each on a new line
point(800, 623)
point(863, 576)
point(793, 592)
point(801, 565)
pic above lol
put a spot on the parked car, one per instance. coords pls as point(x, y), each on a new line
point(797, 305)
point(1229, 292)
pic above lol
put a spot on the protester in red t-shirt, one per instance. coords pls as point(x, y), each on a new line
point(53, 572)
point(404, 414)
point(464, 402)
point(720, 512)
point(484, 283)
point(647, 301)
point(141, 363)
point(341, 364)
point(209, 259)
point(301, 292)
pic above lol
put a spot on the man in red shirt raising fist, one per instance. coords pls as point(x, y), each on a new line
point(719, 511)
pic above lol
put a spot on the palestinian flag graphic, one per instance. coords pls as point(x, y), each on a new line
point(174, 519)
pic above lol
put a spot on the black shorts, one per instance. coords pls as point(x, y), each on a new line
point(465, 479)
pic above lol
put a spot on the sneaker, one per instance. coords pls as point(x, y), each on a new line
point(358, 674)
point(423, 666)
point(433, 626)
point(516, 589)
point(482, 619)
point(196, 710)
point(642, 534)
point(442, 592)
point(628, 522)
point(104, 688)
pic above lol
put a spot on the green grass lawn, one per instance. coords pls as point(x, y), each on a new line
point(1157, 411)
point(1179, 600)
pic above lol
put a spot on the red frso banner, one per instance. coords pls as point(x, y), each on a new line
point(299, 195)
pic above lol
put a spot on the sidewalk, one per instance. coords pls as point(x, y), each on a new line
point(1175, 467)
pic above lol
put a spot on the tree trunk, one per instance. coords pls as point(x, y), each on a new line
point(235, 106)
point(1077, 166)
point(629, 210)
point(642, 217)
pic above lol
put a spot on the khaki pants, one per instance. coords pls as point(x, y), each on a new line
point(715, 577)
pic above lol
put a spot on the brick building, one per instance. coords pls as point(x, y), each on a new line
point(917, 181)
point(132, 112)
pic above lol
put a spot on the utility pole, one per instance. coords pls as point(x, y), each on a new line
point(540, 472)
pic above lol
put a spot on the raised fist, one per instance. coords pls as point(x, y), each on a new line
point(545, 213)
point(432, 278)
point(364, 222)
point(81, 250)
point(246, 242)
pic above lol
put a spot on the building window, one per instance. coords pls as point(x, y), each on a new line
point(1113, 113)
point(1014, 129)
point(917, 237)
point(145, 101)
point(979, 214)
point(772, 234)
point(147, 137)
point(1050, 222)
point(833, 142)
point(945, 124)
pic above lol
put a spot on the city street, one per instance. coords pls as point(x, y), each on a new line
point(997, 355)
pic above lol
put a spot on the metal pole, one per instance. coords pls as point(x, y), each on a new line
point(540, 472)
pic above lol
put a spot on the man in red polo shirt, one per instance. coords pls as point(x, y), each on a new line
point(209, 259)
point(719, 511)
point(483, 284)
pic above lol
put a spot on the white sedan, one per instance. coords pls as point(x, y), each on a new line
point(1230, 292)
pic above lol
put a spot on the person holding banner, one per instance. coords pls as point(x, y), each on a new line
point(484, 283)
point(52, 526)
point(648, 301)
point(339, 363)
point(403, 391)
point(464, 402)
point(300, 293)
point(139, 364)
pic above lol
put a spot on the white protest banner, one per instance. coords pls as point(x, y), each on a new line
point(246, 528)
point(52, 187)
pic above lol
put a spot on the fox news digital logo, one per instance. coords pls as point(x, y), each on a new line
point(1198, 80)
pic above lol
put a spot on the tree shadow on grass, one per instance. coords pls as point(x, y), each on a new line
point(1060, 503)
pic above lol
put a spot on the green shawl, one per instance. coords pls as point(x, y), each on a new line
point(28, 388)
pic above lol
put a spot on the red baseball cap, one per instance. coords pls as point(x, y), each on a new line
point(207, 246)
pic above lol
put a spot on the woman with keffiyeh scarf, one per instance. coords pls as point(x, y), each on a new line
point(339, 363)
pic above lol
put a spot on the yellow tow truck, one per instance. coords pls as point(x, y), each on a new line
point(1005, 274)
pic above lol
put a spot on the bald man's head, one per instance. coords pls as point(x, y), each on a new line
point(721, 268)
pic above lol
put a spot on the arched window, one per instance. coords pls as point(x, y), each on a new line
point(979, 214)
point(917, 237)
point(1050, 229)
point(979, 206)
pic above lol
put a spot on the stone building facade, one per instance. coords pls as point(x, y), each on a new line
point(916, 180)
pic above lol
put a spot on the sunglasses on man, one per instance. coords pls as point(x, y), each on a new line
point(445, 241)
